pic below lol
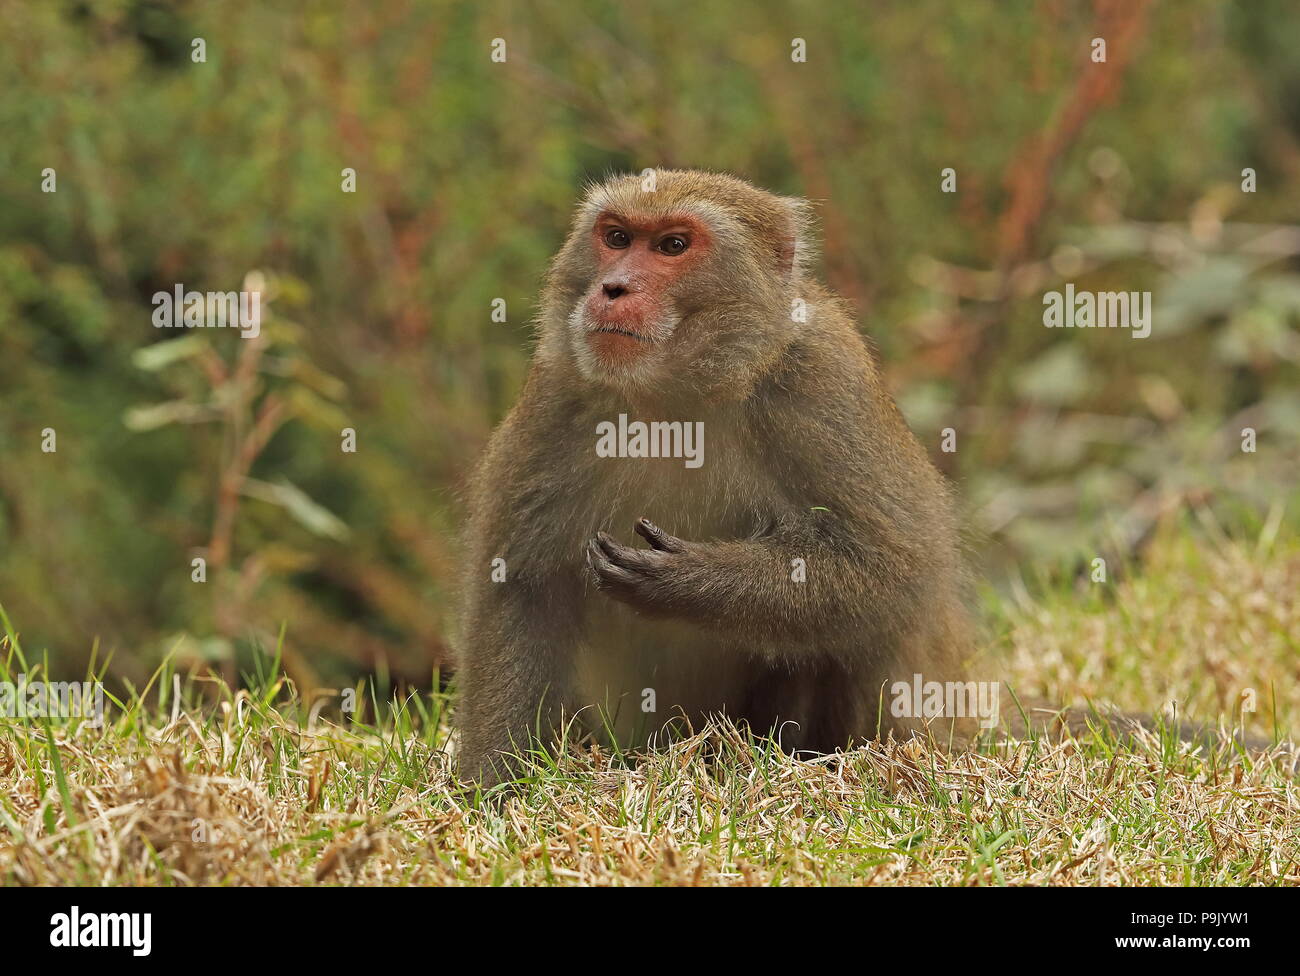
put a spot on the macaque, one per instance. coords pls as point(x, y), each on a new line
point(705, 502)
point(806, 559)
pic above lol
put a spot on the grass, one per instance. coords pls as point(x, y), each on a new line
point(191, 782)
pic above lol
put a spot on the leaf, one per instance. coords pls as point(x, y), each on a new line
point(1211, 289)
point(157, 415)
point(1059, 376)
point(316, 410)
point(316, 379)
point(313, 517)
point(154, 357)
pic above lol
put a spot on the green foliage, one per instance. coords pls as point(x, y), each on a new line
point(202, 173)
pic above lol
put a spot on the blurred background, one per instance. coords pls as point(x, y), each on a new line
point(175, 445)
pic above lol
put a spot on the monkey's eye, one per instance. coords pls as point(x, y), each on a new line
point(617, 238)
point(673, 245)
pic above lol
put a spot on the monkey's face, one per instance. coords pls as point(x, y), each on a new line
point(683, 289)
point(623, 323)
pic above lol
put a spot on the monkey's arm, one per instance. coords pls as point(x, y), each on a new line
point(520, 610)
point(788, 586)
point(513, 678)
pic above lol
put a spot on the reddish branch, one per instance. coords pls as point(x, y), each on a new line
point(1028, 178)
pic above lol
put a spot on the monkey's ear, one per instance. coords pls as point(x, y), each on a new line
point(796, 240)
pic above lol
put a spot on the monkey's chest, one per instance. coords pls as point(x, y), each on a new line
point(636, 672)
point(725, 498)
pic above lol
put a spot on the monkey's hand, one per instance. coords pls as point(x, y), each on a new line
point(646, 579)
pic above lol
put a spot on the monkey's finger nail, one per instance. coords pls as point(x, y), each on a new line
point(657, 537)
point(650, 532)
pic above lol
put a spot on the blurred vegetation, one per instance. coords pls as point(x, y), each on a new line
point(1124, 175)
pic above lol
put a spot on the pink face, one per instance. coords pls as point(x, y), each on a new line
point(628, 309)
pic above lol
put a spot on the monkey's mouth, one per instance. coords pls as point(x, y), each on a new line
point(615, 330)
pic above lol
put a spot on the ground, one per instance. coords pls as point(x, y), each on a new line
point(250, 789)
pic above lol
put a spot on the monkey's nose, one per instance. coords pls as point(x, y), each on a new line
point(613, 291)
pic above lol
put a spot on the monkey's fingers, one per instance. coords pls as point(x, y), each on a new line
point(658, 538)
point(608, 575)
point(636, 560)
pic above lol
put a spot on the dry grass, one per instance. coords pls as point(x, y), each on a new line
point(1203, 623)
point(249, 790)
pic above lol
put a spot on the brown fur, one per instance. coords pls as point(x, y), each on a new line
point(797, 420)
